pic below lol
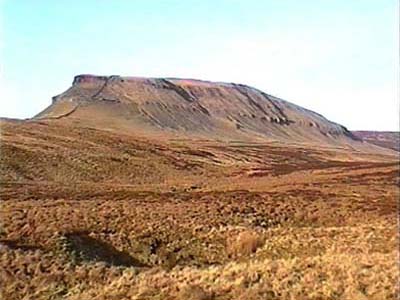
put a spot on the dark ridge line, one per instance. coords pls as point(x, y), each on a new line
point(179, 90)
point(154, 120)
point(203, 109)
point(104, 86)
point(280, 111)
point(101, 89)
point(241, 89)
point(63, 115)
point(350, 134)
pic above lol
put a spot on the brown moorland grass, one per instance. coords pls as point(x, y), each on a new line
point(130, 218)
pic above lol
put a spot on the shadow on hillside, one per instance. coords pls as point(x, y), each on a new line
point(18, 245)
point(87, 248)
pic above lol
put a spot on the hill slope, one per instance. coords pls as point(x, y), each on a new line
point(183, 107)
point(386, 139)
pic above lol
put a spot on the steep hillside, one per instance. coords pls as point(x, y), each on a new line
point(182, 107)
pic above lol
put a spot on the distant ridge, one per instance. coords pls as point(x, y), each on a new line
point(386, 139)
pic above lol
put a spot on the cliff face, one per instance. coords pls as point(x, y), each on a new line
point(191, 107)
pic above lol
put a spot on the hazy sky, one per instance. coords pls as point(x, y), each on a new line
point(337, 57)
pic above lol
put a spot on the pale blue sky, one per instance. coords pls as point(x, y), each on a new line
point(337, 57)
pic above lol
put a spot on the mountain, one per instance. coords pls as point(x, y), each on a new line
point(386, 139)
point(135, 188)
point(130, 130)
point(192, 108)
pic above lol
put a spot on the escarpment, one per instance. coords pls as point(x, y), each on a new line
point(214, 110)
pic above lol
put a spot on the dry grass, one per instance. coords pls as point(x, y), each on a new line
point(305, 227)
point(194, 292)
point(244, 244)
point(327, 276)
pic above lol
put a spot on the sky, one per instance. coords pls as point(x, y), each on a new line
point(339, 58)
